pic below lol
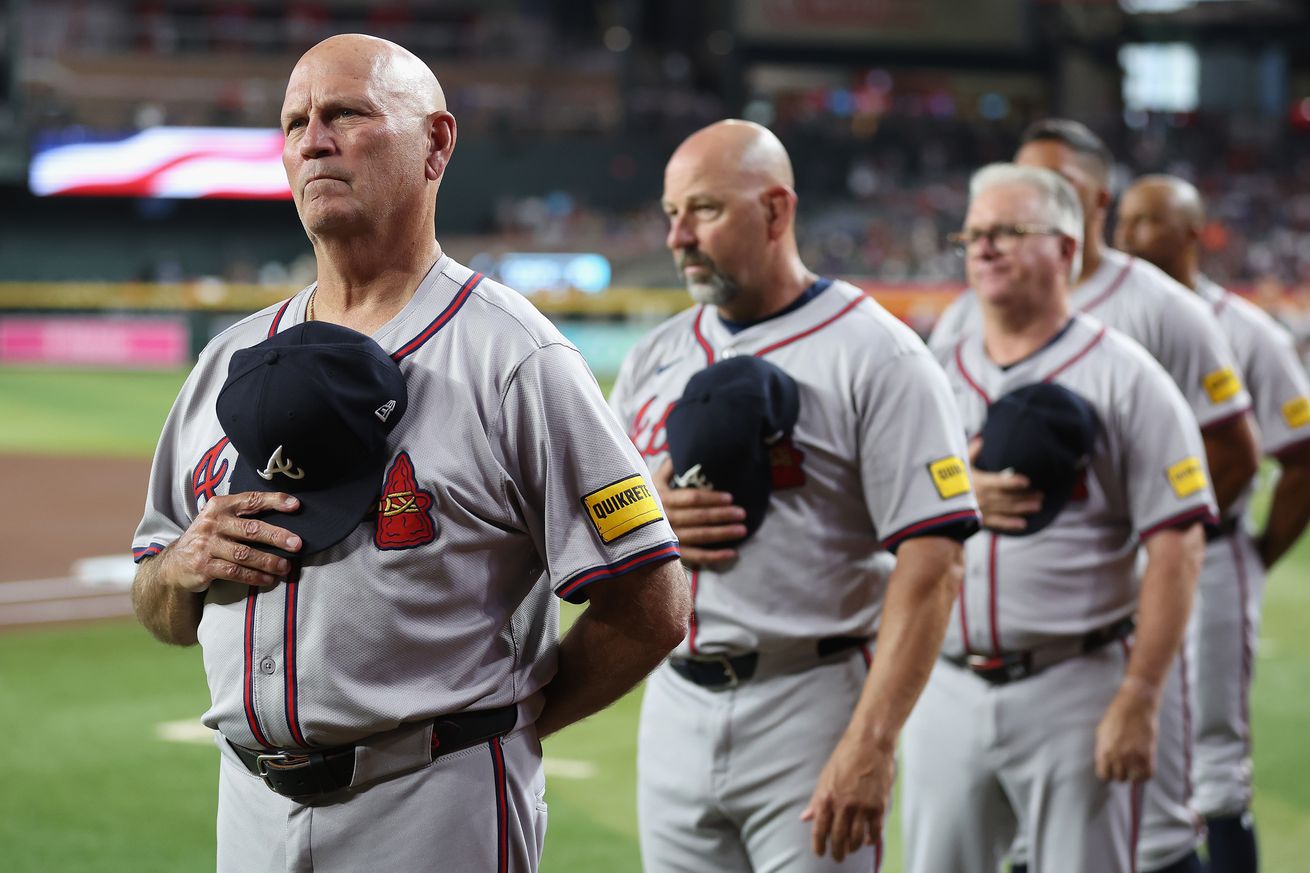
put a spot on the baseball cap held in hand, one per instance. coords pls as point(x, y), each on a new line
point(1046, 432)
point(720, 432)
point(309, 411)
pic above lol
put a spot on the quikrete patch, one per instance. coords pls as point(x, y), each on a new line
point(1221, 384)
point(621, 508)
point(950, 476)
point(1296, 412)
point(1187, 476)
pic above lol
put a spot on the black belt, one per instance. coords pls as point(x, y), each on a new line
point(1013, 666)
point(1225, 528)
point(305, 773)
point(728, 671)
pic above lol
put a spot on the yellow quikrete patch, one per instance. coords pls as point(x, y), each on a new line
point(1296, 412)
point(1221, 384)
point(621, 508)
point(950, 476)
point(1187, 476)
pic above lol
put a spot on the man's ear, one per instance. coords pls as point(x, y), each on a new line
point(779, 210)
point(441, 143)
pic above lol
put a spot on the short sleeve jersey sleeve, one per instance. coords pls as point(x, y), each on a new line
point(576, 478)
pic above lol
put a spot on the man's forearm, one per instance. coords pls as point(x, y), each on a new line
point(1289, 511)
point(1174, 559)
point(170, 613)
point(920, 593)
point(630, 625)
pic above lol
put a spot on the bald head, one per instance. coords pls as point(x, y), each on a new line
point(388, 69)
point(743, 151)
point(1159, 220)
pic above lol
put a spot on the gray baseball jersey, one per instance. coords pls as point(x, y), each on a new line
point(511, 483)
point(1137, 299)
point(1147, 473)
point(1226, 620)
point(876, 456)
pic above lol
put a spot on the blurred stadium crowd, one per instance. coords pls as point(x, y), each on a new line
point(883, 148)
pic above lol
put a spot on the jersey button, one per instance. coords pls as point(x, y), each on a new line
point(267, 666)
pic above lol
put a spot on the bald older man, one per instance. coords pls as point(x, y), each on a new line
point(767, 739)
point(382, 667)
point(1160, 220)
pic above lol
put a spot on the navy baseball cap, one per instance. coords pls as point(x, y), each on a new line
point(721, 430)
point(309, 411)
point(1046, 432)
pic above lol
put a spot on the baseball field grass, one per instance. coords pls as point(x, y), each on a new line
point(91, 783)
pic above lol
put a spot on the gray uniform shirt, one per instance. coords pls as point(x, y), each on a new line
point(441, 602)
point(1137, 299)
point(1267, 359)
point(1147, 473)
point(876, 455)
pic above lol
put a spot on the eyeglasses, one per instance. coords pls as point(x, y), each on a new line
point(1003, 236)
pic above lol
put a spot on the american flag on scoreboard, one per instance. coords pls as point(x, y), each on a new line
point(174, 162)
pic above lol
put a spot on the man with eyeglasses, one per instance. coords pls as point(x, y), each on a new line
point(1179, 331)
point(1040, 716)
point(1160, 220)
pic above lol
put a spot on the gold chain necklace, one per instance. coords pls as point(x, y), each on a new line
point(309, 309)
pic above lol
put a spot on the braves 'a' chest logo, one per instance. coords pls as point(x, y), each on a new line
point(404, 509)
point(647, 431)
point(209, 473)
point(785, 468)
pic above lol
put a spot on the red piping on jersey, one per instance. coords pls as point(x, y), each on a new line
point(1114, 286)
point(709, 351)
point(277, 319)
point(139, 555)
point(938, 521)
point(289, 657)
point(1069, 363)
point(248, 693)
point(964, 616)
point(959, 365)
point(1243, 592)
point(656, 553)
point(818, 327)
point(502, 805)
point(700, 337)
point(1227, 419)
point(692, 623)
point(1200, 513)
point(440, 321)
point(1135, 810)
point(867, 654)
point(991, 592)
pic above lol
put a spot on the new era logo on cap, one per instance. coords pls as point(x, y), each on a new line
point(309, 411)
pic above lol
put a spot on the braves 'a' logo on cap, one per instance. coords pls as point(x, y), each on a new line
point(208, 474)
point(404, 517)
point(277, 465)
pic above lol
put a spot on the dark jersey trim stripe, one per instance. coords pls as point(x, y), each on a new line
point(289, 659)
point(139, 555)
point(1199, 513)
point(936, 521)
point(959, 365)
point(502, 804)
point(461, 297)
point(570, 589)
point(277, 319)
point(1224, 420)
point(248, 692)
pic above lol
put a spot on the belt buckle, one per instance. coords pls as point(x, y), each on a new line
point(984, 663)
point(280, 761)
point(728, 670)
